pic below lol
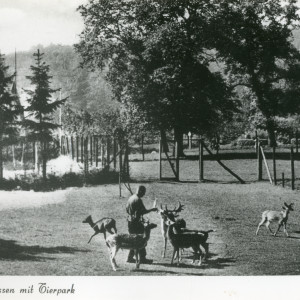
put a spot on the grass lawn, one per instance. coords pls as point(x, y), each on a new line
point(213, 172)
point(52, 240)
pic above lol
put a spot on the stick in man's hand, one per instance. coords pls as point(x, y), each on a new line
point(154, 203)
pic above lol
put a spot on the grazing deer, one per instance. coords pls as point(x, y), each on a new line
point(128, 241)
point(166, 214)
point(187, 240)
point(281, 217)
point(106, 224)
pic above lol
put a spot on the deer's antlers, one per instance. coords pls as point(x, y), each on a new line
point(177, 209)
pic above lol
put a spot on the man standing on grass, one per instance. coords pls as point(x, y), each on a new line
point(136, 209)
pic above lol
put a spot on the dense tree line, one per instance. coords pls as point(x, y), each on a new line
point(9, 110)
point(161, 58)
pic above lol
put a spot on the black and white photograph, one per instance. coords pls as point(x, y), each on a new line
point(149, 148)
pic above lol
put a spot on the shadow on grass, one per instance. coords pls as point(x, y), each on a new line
point(209, 263)
point(294, 237)
point(10, 250)
point(218, 263)
point(156, 272)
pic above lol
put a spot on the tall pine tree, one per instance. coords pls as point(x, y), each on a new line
point(9, 110)
point(41, 107)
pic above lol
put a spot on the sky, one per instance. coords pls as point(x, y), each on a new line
point(27, 23)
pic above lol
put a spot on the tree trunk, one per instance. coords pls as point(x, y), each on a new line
point(1, 158)
point(165, 147)
point(178, 134)
point(44, 159)
point(271, 132)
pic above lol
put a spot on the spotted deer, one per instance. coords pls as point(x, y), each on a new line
point(187, 240)
point(128, 241)
point(166, 214)
point(281, 217)
point(106, 225)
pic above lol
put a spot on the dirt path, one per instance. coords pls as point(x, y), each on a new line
point(25, 199)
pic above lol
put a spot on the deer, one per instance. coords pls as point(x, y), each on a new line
point(128, 241)
point(106, 225)
point(171, 214)
point(180, 224)
point(187, 240)
point(281, 217)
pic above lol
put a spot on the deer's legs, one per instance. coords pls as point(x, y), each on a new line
point(268, 226)
point(109, 230)
point(205, 246)
point(179, 253)
point(174, 251)
point(178, 256)
point(165, 248)
point(284, 228)
point(92, 236)
point(260, 224)
point(114, 251)
point(200, 255)
point(137, 258)
point(279, 225)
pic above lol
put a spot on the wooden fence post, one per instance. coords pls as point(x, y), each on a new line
point(77, 149)
point(177, 160)
point(266, 165)
point(127, 159)
point(201, 162)
point(97, 150)
point(107, 152)
point(102, 153)
point(143, 154)
point(115, 153)
point(160, 159)
point(120, 170)
point(82, 148)
point(37, 165)
point(259, 162)
point(297, 141)
point(61, 145)
point(292, 168)
point(72, 147)
point(24, 150)
point(33, 154)
point(91, 150)
point(274, 165)
point(86, 157)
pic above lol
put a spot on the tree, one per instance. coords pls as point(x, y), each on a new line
point(255, 39)
point(158, 57)
point(41, 107)
point(9, 110)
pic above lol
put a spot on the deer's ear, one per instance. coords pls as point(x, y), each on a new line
point(283, 207)
point(286, 204)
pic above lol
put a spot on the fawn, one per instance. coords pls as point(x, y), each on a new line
point(128, 241)
point(280, 217)
point(106, 224)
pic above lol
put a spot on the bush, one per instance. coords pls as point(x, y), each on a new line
point(101, 177)
point(72, 179)
point(245, 142)
point(54, 182)
point(8, 184)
